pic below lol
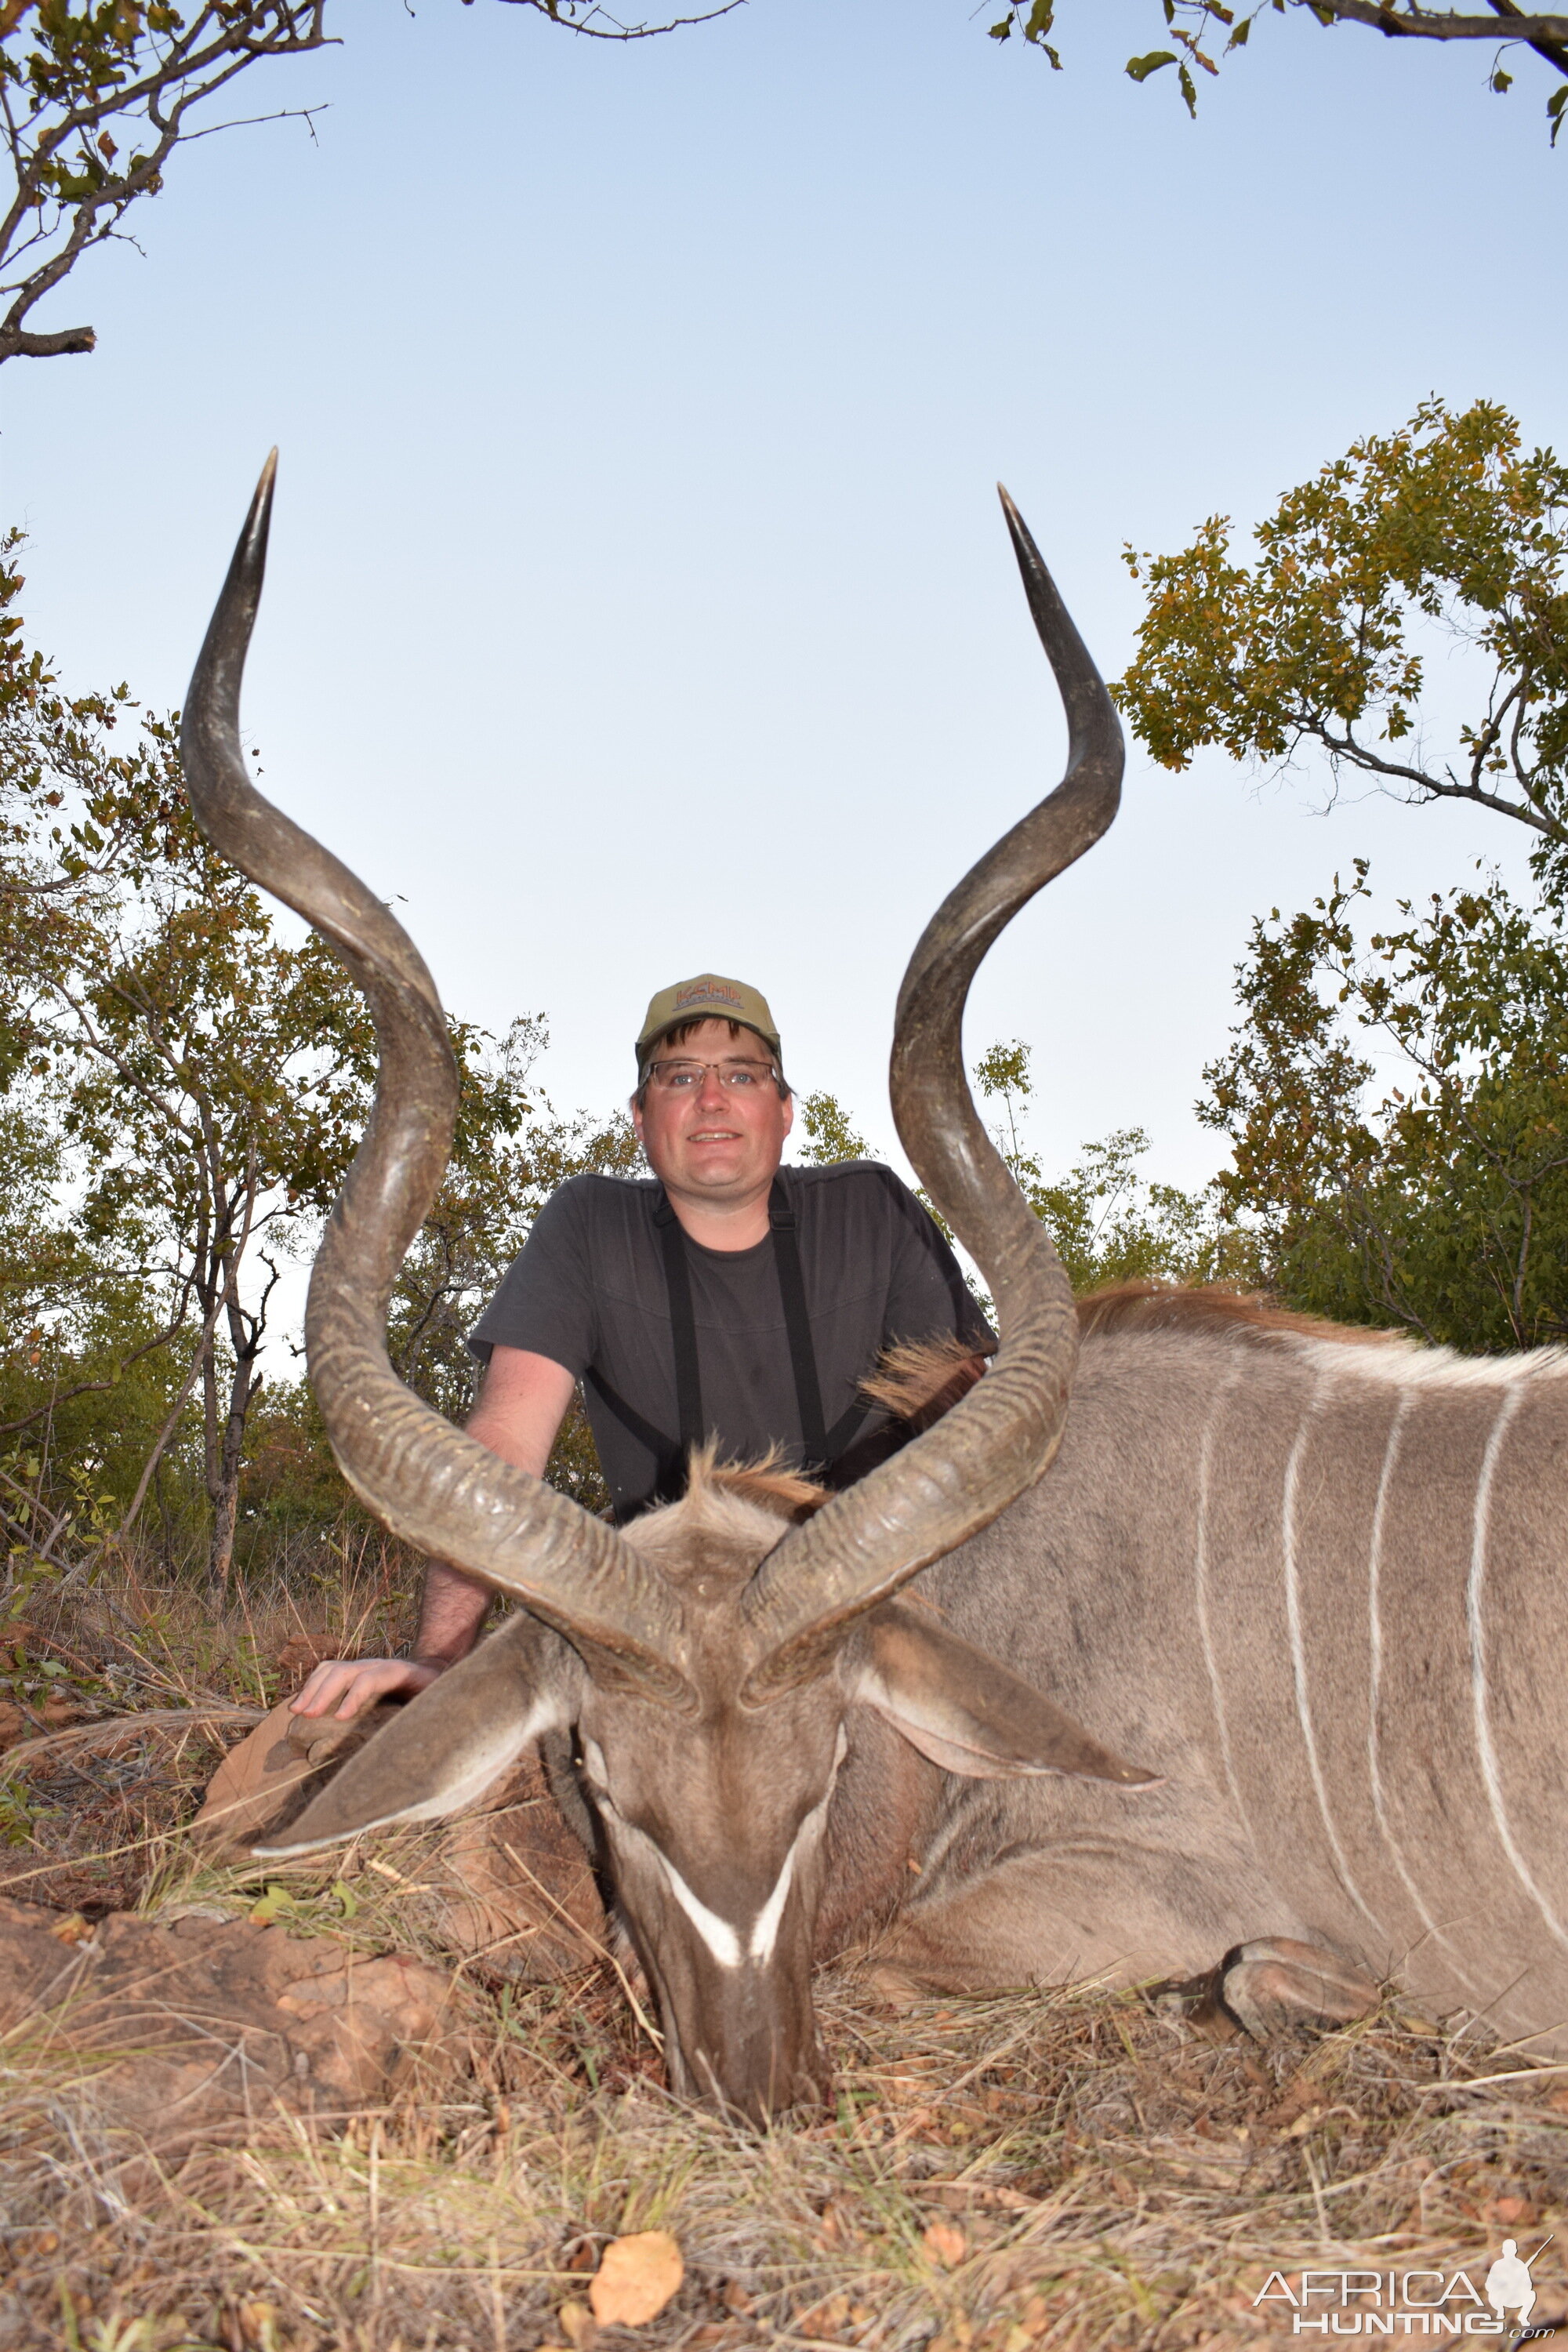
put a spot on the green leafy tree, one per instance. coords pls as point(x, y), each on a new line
point(215, 1081)
point(207, 1080)
point(181, 1091)
point(1444, 531)
point(830, 1134)
point(1111, 1222)
point(1204, 32)
point(95, 104)
point(1398, 1115)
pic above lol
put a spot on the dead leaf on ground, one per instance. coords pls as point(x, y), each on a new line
point(636, 2279)
point(944, 2243)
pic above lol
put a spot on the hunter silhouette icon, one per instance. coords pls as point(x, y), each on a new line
point(1509, 2283)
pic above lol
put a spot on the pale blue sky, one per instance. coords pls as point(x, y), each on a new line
point(640, 601)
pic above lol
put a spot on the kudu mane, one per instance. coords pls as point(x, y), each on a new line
point(1209, 1306)
point(918, 1381)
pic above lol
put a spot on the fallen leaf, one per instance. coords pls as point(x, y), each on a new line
point(944, 2243)
point(577, 2325)
point(72, 1929)
point(636, 2279)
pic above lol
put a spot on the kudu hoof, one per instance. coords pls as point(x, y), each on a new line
point(1274, 1985)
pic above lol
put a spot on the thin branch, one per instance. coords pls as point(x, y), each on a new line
point(612, 31)
point(306, 114)
point(1345, 747)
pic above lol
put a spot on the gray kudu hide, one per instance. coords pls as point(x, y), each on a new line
point(1312, 1580)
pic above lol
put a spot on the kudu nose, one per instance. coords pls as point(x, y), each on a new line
point(765, 2085)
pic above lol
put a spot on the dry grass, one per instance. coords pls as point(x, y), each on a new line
point(82, 1815)
point(1071, 2169)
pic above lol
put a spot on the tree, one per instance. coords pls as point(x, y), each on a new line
point(208, 1080)
point(214, 1078)
point(1445, 526)
point(830, 1136)
point(1108, 1221)
point(69, 82)
point(180, 1092)
point(1200, 28)
point(1432, 1195)
point(80, 90)
point(510, 1152)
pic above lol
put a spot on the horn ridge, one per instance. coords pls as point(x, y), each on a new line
point(431, 1485)
point(955, 1478)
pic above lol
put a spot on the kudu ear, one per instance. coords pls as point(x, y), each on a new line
point(966, 1711)
point(446, 1746)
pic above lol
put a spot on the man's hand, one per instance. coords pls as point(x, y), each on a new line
point(351, 1684)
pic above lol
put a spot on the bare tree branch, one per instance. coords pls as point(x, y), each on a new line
point(75, 88)
point(1413, 23)
point(596, 24)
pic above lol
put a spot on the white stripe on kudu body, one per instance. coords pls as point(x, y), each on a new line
point(1474, 1594)
point(1287, 1546)
point(1402, 1412)
point(1201, 1594)
point(1379, 1532)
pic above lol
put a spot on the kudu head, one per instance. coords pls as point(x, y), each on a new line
point(712, 1662)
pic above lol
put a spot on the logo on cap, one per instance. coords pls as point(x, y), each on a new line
point(709, 995)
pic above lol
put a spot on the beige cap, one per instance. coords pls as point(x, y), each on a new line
point(708, 997)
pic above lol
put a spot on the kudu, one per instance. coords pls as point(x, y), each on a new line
point(1312, 1578)
point(722, 1676)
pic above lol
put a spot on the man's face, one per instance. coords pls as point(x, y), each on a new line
point(718, 1142)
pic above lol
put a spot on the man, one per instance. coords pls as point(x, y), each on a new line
point(722, 1297)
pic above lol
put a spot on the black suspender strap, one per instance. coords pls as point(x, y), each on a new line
point(682, 1330)
point(797, 1325)
point(797, 1328)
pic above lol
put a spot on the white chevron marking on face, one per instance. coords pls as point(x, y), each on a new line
point(717, 1934)
point(722, 1940)
point(764, 1935)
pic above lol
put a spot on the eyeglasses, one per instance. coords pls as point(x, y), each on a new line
point(686, 1077)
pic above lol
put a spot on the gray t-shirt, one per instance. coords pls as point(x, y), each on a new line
point(589, 1292)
